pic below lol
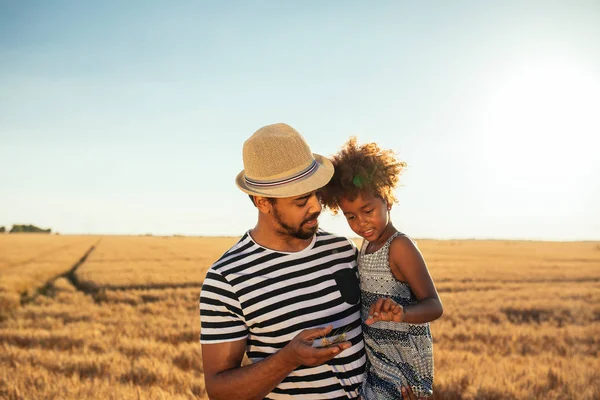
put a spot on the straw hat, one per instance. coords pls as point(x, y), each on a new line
point(279, 163)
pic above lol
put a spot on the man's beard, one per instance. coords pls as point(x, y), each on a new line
point(298, 233)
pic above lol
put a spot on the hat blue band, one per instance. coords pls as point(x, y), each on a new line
point(272, 183)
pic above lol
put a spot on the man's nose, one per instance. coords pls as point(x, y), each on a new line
point(315, 204)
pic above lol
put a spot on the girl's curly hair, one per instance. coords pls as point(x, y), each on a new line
point(362, 169)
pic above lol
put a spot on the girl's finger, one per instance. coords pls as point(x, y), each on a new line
point(380, 304)
point(376, 307)
point(389, 304)
point(385, 305)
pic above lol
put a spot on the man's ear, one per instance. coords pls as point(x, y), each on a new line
point(263, 204)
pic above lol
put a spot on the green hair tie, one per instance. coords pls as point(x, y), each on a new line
point(357, 181)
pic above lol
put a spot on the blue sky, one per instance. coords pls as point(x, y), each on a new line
point(129, 117)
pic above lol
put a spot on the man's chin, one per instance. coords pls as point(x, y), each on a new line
point(307, 233)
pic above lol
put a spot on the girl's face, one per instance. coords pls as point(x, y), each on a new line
point(367, 215)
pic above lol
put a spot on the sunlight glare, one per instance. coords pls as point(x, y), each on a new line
point(539, 128)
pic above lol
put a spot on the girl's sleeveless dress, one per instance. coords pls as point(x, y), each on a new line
point(398, 354)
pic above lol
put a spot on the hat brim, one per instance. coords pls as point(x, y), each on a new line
point(316, 180)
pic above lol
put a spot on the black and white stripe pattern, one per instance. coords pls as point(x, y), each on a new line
point(267, 297)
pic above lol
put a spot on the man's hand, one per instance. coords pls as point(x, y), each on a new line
point(301, 352)
point(385, 309)
point(226, 379)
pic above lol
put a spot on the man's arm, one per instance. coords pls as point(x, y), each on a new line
point(226, 379)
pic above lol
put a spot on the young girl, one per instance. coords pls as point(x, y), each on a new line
point(398, 296)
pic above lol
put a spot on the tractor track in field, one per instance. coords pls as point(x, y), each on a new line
point(48, 288)
point(70, 275)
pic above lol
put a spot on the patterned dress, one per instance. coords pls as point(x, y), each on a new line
point(398, 354)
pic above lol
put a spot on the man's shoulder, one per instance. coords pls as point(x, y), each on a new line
point(237, 252)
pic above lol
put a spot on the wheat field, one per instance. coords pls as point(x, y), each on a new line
point(116, 317)
point(27, 263)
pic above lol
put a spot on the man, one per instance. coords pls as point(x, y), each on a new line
point(286, 290)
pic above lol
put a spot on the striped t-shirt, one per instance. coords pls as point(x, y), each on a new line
point(267, 297)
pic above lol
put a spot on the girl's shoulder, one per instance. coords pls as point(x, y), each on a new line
point(401, 240)
point(403, 247)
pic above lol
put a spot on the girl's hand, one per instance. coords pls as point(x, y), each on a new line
point(385, 309)
point(407, 394)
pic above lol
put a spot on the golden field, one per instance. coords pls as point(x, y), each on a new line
point(125, 262)
point(117, 317)
point(28, 263)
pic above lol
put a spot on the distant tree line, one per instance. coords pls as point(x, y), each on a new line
point(26, 228)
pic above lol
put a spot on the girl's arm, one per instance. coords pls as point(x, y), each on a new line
point(408, 266)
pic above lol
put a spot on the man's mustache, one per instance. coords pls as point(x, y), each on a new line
point(312, 216)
